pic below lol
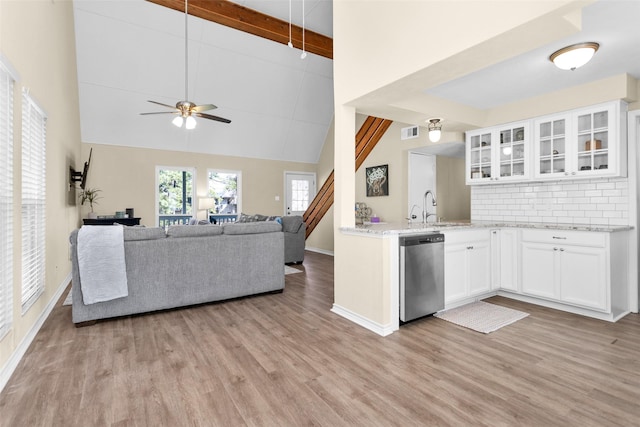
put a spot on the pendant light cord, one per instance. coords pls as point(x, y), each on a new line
point(290, 43)
point(304, 52)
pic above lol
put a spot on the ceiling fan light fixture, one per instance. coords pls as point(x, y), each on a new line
point(190, 123)
point(178, 121)
point(435, 130)
point(574, 56)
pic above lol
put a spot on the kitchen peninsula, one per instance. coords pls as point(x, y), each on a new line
point(579, 269)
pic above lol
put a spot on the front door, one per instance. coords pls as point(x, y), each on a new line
point(300, 191)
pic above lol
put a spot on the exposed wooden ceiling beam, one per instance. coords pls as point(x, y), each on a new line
point(241, 18)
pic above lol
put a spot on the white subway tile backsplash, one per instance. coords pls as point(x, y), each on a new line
point(596, 202)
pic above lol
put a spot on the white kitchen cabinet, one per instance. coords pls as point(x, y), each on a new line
point(500, 153)
point(539, 270)
point(567, 266)
point(584, 143)
point(504, 259)
point(467, 264)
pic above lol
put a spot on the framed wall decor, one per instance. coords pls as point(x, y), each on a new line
point(377, 181)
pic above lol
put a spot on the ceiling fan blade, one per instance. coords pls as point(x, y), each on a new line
point(160, 112)
point(211, 117)
point(203, 107)
point(160, 103)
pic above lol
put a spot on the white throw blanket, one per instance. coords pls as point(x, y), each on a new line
point(103, 273)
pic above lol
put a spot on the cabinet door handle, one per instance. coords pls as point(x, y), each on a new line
point(561, 249)
point(559, 238)
point(555, 249)
point(469, 247)
point(573, 173)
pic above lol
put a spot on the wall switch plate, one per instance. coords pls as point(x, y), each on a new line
point(277, 198)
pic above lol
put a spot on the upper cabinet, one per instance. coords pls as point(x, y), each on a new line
point(500, 153)
point(588, 142)
point(584, 143)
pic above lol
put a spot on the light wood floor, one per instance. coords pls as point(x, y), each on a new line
point(286, 360)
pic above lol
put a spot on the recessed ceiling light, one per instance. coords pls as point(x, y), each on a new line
point(574, 56)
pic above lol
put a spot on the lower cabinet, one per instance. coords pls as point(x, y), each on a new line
point(504, 258)
point(570, 267)
point(467, 264)
point(584, 272)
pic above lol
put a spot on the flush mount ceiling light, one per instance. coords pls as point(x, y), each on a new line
point(574, 56)
point(435, 130)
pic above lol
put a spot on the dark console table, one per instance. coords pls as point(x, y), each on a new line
point(110, 221)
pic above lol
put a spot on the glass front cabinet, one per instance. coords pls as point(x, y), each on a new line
point(583, 143)
point(500, 153)
point(588, 142)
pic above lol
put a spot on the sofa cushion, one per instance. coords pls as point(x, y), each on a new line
point(251, 218)
point(252, 228)
point(291, 224)
point(199, 231)
point(143, 233)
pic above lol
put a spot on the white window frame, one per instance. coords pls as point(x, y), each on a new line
point(33, 201)
point(8, 78)
point(238, 185)
point(193, 189)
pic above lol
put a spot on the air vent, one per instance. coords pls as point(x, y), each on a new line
point(410, 132)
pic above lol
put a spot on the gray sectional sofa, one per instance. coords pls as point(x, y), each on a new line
point(294, 229)
point(189, 265)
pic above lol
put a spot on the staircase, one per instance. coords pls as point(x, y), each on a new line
point(366, 139)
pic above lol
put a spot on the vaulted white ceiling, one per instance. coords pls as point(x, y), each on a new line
point(281, 106)
point(131, 51)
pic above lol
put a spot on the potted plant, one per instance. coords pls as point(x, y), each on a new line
point(90, 195)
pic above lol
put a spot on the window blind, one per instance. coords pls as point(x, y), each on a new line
point(34, 132)
point(6, 199)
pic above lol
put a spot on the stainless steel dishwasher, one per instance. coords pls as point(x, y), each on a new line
point(421, 275)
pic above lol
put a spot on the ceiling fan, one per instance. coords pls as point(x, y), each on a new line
point(186, 110)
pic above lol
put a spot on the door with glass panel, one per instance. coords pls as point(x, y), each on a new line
point(593, 153)
point(551, 146)
point(513, 154)
point(479, 156)
point(300, 191)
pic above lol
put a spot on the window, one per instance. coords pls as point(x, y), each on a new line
point(34, 132)
point(6, 199)
point(175, 190)
point(224, 188)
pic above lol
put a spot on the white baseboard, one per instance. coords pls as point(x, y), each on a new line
point(318, 250)
point(379, 329)
point(18, 353)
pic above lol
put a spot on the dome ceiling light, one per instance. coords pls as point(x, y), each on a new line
point(574, 56)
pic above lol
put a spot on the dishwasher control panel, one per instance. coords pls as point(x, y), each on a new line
point(421, 239)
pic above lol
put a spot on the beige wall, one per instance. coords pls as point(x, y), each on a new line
point(37, 38)
point(126, 177)
point(453, 194)
point(455, 203)
point(322, 236)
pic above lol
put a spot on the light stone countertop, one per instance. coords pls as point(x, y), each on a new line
point(418, 227)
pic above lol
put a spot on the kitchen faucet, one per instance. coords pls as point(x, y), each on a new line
point(425, 214)
point(411, 215)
